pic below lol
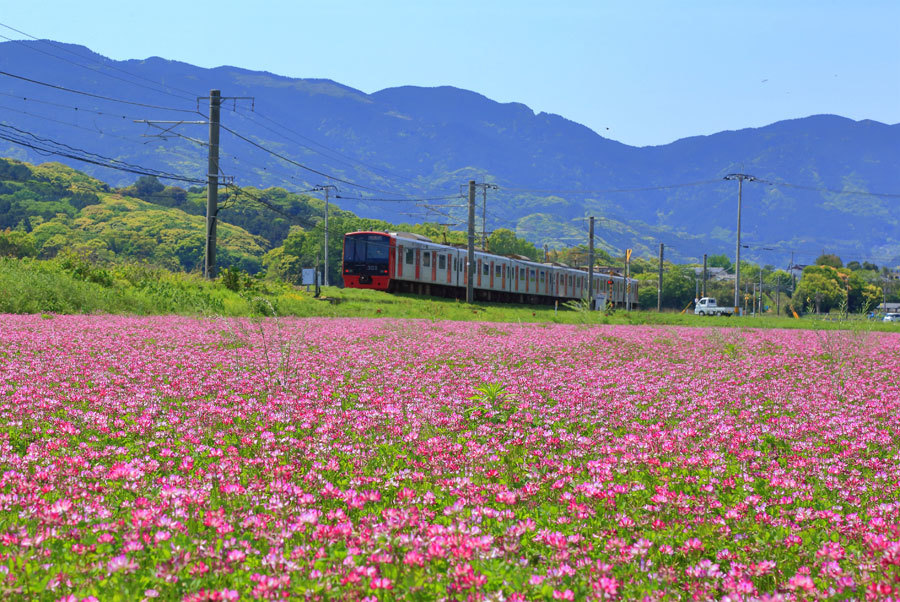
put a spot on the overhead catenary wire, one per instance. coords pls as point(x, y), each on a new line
point(331, 153)
point(98, 96)
point(305, 167)
point(386, 200)
point(49, 146)
point(609, 190)
point(890, 195)
point(95, 129)
point(157, 86)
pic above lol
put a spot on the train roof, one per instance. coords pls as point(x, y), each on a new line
point(412, 235)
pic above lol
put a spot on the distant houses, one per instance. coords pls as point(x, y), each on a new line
point(714, 274)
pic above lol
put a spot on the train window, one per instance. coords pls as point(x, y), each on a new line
point(486, 269)
point(497, 270)
point(409, 256)
point(531, 275)
point(521, 274)
point(426, 259)
point(442, 262)
point(542, 277)
point(570, 279)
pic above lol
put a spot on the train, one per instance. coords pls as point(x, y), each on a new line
point(411, 263)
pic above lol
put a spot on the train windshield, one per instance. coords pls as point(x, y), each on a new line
point(366, 250)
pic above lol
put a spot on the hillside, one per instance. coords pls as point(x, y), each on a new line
point(50, 209)
point(63, 208)
point(427, 142)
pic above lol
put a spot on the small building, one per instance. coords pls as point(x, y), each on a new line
point(716, 274)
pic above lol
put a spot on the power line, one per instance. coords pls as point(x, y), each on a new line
point(889, 195)
point(300, 165)
point(49, 146)
point(385, 200)
point(99, 96)
point(158, 87)
point(611, 190)
point(66, 123)
point(350, 160)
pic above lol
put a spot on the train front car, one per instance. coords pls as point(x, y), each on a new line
point(367, 260)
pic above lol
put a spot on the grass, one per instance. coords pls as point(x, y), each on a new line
point(68, 285)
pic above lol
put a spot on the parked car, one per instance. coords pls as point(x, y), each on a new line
point(891, 318)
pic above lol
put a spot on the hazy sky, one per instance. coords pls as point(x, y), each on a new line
point(641, 72)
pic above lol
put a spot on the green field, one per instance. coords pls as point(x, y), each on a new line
point(67, 285)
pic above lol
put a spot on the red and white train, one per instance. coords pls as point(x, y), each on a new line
point(404, 262)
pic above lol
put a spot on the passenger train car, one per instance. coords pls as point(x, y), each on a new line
point(404, 262)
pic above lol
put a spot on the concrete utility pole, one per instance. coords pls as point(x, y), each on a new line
point(470, 259)
point(777, 298)
point(326, 188)
point(740, 177)
point(212, 184)
point(627, 279)
point(659, 282)
point(704, 274)
point(591, 263)
point(212, 167)
point(484, 188)
point(759, 306)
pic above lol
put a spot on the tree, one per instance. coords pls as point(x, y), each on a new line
point(503, 241)
point(817, 291)
point(678, 287)
point(719, 261)
point(15, 243)
point(830, 259)
point(147, 186)
point(779, 279)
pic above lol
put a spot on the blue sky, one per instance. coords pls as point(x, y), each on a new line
point(636, 71)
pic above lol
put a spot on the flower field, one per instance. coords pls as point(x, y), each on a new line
point(177, 458)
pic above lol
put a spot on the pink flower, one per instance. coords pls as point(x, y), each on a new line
point(380, 583)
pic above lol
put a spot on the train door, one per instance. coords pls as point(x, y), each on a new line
point(418, 263)
point(399, 261)
point(447, 264)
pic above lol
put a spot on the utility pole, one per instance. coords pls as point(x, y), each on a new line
point(591, 263)
point(326, 188)
point(470, 280)
point(212, 167)
point(627, 279)
point(546, 253)
point(793, 276)
point(212, 184)
point(659, 282)
point(484, 217)
point(704, 274)
point(759, 306)
point(740, 177)
point(777, 298)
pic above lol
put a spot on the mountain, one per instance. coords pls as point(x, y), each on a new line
point(427, 142)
